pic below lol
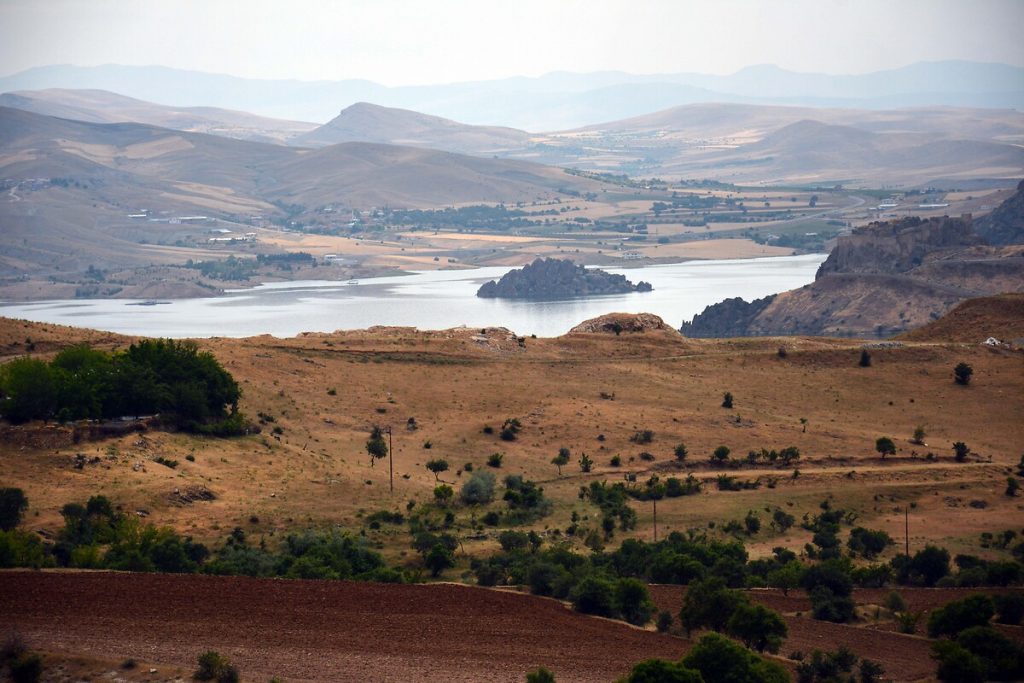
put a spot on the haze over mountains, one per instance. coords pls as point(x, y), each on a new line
point(555, 101)
point(728, 142)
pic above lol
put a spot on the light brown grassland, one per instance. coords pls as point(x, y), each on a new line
point(317, 473)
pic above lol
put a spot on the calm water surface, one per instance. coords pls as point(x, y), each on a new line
point(427, 300)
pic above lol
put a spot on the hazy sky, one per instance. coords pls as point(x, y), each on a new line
point(404, 42)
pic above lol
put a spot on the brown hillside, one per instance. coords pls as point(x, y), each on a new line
point(365, 122)
point(975, 320)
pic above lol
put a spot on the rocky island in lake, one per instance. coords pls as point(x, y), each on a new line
point(557, 279)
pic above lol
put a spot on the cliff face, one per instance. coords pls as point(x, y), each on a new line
point(557, 279)
point(887, 278)
point(730, 318)
point(897, 246)
point(1005, 225)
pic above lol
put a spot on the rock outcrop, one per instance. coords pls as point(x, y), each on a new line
point(618, 323)
point(887, 278)
point(557, 279)
point(1005, 224)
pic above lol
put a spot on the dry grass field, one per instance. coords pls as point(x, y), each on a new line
point(325, 392)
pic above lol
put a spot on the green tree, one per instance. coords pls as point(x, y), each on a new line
point(758, 627)
point(561, 460)
point(437, 466)
point(13, 504)
point(865, 359)
point(681, 452)
point(594, 595)
point(956, 616)
point(960, 451)
point(660, 671)
point(478, 489)
point(438, 558)
point(787, 577)
point(28, 390)
point(633, 602)
point(376, 446)
point(721, 454)
point(885, 446)
point(720, 660)
point(962, 374)
point(709, 603)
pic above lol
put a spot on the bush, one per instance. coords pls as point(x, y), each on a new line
point(494, 460)
point(957, 664)
point(956, 616)
point(962, 374)
point(868, 543)
point(1009, 608)
point(478, 489)
point(758, 627)
point(13, 504)
point(664, 622)
point(727, 400)
point(660, 671)
point(633, 602)
point(594, 595)
point(642, 437)
point(925, 568)
point(960, 451)
point(720, 455)
point(26, 668)
point(865, 359)
point(215, 667)
point(720, 660)
point(541, 675)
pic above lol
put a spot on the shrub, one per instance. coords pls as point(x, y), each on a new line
point(494, 460)
point(443, 493)
point(957, 664)
point(541, 675)
point(865, 359)
point(616, 461)
point(925, 568)
point(13, 504)
point(26, 668)
point(643, 436)
point(868, 543)
point(664, 622)
point(586, 464)
point(438, 558)
point(720, 660)
point(758, 627)
point(956, 616)
point(1009, 608)
point(727, 400)
point(681, 452)
point(478, 489)
point(510, 429)
point(960, 451)
point(215, 667)
point(962, 374)
point(594, 595)
point(660, 671)
point(906, 622)
point(633, 602)
point(895, 602)
point(720, 455)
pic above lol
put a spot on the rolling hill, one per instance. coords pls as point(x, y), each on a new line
point(100, 106)
point(365, 122)
point(69, 187)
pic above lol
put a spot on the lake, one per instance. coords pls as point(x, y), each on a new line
point(427, 300)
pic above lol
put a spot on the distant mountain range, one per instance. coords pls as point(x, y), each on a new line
point(555, 101)
point(739, 143)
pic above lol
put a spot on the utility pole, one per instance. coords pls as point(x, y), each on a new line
point(906, 527)
point(391, 461)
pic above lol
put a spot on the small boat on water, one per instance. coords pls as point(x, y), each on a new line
point(352, 282)
point(149, 302)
